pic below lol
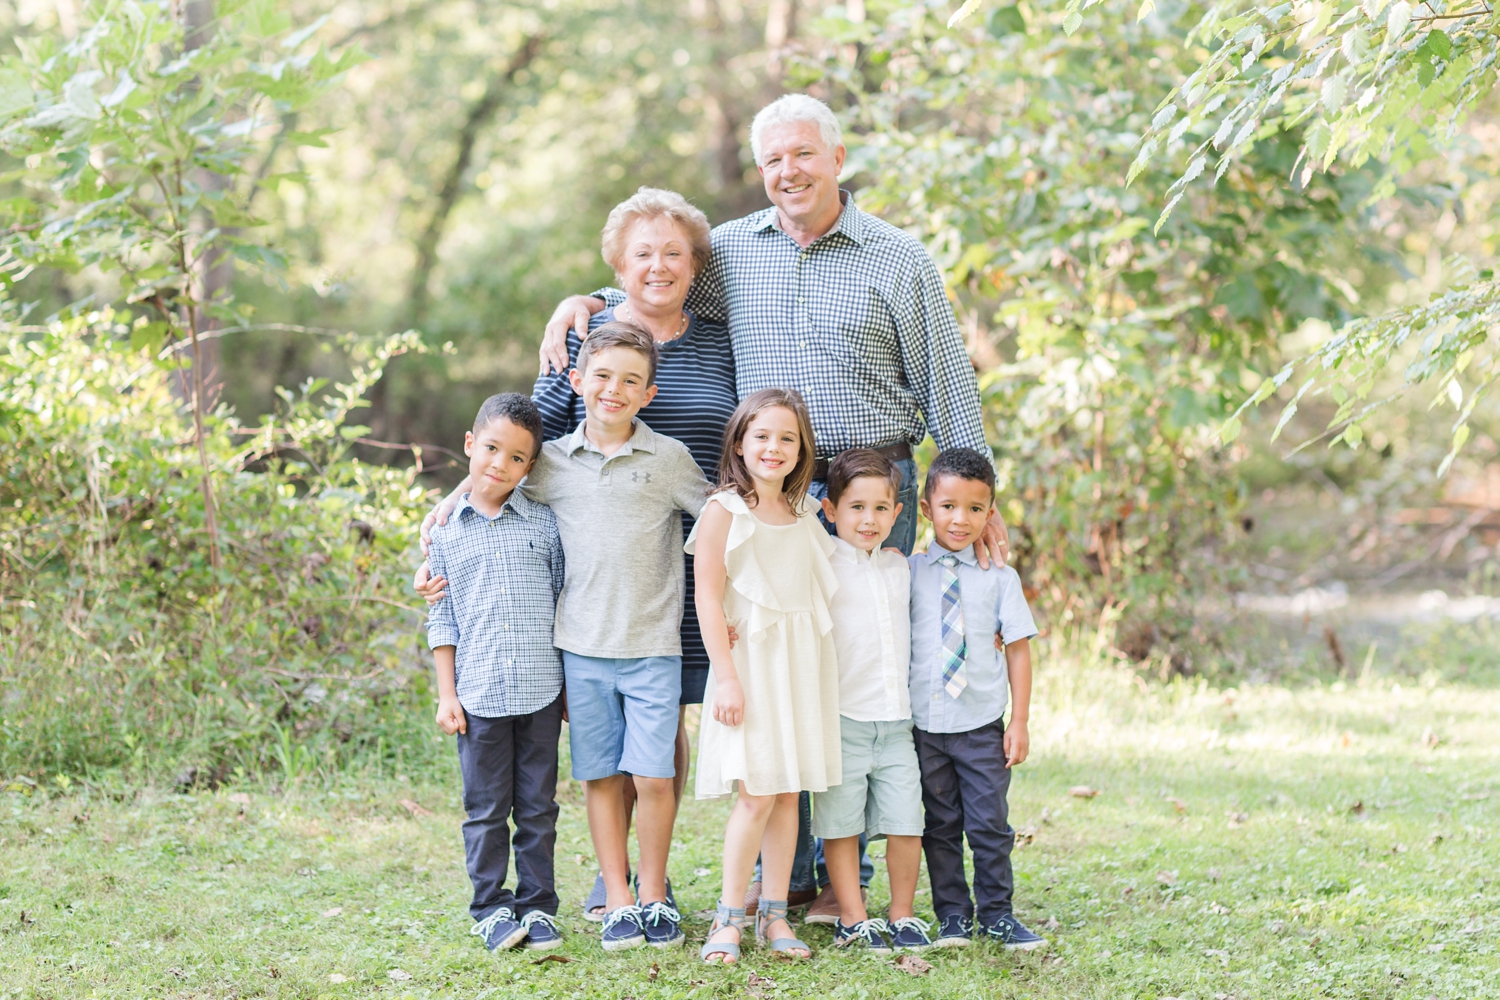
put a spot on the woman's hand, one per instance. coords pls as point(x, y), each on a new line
point(572, 313)
point(438, 516)
point(450, 716)
point(729, 703)
point(432, 588)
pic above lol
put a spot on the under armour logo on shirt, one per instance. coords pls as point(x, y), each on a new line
point(640, 477)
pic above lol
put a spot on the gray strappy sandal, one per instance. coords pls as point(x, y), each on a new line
point(726, 916)
point(771, 910)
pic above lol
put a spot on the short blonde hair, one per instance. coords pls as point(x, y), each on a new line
point(651, 203)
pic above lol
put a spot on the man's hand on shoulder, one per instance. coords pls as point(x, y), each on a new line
point(572, 313)
point(994, 543)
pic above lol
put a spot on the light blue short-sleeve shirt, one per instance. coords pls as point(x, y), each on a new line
point(992, 602)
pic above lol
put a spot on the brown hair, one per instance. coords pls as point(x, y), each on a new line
point(619, 334)
point(857, 463)
point(735, 475)
point(654, 203)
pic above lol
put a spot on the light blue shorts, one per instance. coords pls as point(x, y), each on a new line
point(882, 788)
point(622, 715)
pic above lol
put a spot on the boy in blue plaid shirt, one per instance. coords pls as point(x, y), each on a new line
point(499, 677)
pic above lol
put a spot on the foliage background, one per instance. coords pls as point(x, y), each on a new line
point(454, 183)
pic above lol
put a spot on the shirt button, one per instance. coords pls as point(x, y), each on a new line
point(799, 298)
point(507, 626)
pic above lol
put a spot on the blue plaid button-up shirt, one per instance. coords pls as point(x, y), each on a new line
point(504, 575)
point(858, 322)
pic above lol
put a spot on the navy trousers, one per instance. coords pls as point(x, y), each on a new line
point(964, 788)
point(509, 768)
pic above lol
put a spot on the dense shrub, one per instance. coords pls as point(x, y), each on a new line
point(119, 644)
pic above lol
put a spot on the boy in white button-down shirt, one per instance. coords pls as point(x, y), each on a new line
point(882, 788)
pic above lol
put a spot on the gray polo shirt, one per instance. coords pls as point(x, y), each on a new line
point(620, 519)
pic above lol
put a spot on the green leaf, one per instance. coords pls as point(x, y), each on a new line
point(1147, 6)
point(149, 336)
point(1353, 435)
point(1072, 22)
point(1230, 430)
point(314, 139)
point(1005, 21)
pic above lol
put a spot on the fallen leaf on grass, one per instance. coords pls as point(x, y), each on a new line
point(1177, 804)
point(550, 958)
point(174, 971)
point(1166, 878)
point(415, 809)
point(1214, 875)
point(1346, 739)
point(912, 965)
point(1025, 835)
point(654, 973)
point(1218, 908)
point(756, 979)
point(1430, 739)
point(1083, 792)
point(274, 972)
point(1237, 820)
point(1358, 808)
point(399, 975)
point(1052, 924)
point(240, 798)
point(337, 977)
point(334, 912)
point(700, 872)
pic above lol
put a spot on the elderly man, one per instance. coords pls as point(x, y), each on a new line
point(847, 309)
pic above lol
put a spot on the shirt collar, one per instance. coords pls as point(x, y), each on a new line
point(851, 220)
point(965, 555)
point(517, 501)
point(642, 438)
point(845, 552)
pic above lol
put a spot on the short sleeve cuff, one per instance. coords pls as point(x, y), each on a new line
point(441, 634)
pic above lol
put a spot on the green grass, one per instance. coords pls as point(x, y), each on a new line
point(1262, 843)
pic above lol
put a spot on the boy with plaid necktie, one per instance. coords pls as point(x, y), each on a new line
point(959, 685)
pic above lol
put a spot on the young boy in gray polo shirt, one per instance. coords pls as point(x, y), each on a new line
point(618, 491)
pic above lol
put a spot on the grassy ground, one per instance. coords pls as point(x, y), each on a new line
point(1271, 842)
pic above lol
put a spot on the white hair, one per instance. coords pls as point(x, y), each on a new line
point(795, 108)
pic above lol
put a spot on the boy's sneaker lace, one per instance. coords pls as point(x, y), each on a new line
point(500, 930)
point(622, 929)
point(542, 932)
point(867, 934)
point(662, 925)
point(910, 933)
point(1015, 935)
point(954, 931)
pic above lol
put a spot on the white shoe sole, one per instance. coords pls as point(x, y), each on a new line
point(1028, 946)
point(623, 945)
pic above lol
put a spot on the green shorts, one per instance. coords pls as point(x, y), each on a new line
point(882, 789)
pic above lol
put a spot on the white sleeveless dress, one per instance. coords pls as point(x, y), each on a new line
point(776, 597)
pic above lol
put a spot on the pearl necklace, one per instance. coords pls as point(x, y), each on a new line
point(681, 329)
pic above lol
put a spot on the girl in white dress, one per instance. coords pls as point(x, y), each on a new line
point(760, 561)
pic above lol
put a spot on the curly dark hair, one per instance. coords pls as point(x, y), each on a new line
point(965, 463)
point(516, 408)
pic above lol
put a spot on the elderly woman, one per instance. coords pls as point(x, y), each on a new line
point(656, 242)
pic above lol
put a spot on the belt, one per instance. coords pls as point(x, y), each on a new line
point(895, 452)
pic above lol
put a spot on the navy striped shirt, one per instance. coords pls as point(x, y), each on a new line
point(694, 400)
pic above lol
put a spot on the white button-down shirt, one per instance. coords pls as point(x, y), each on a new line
point(872, 633)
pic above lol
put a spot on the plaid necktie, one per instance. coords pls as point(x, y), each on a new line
point(955, 648)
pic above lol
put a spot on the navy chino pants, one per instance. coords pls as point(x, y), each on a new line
point(509, 768)
point(964, 788)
